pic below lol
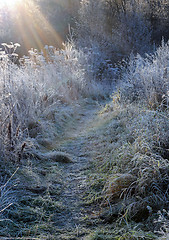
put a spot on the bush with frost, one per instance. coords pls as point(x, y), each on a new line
point(106, 33)
point(146, 79)
point(38, 86)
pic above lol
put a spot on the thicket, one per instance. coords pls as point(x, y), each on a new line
point(136, 23)
point(33, 92)
point(112, 30)
point(146, 79)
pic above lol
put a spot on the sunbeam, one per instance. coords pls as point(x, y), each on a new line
point(30, 27)
point(9, 3)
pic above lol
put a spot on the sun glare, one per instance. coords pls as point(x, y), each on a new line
point(9, 3)
point(30, 24)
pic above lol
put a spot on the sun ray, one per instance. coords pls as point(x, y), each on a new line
point(34, 29)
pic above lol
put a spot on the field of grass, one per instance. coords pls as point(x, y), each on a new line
point(81, 158)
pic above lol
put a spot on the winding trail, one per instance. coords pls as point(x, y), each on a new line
point(76, 142)
point(49, 192)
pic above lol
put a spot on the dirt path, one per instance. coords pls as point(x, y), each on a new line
point(75, 143)
point(49, 194)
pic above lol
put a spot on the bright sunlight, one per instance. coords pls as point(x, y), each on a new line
point(9, 3)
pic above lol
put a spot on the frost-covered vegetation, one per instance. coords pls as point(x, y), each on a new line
point(146, 79)
point(116, 53)
point(33, 91)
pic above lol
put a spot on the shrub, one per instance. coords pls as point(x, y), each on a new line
point(146, 79)
point(120, 26)
point(106, 33)
point(36, 87)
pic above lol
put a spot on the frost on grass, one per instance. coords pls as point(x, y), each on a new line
point(8, 200)
point(130, 178)
point(36, 92)
point(146, 79)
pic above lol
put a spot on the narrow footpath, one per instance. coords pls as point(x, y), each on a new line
point(75, 143)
